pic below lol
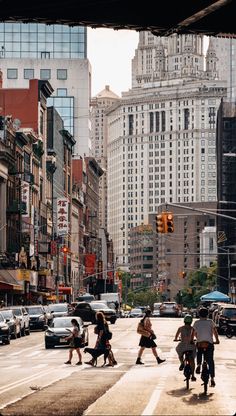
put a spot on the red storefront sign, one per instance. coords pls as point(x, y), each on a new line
point(90, 263)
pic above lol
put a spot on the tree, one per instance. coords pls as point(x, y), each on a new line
point(199, 283)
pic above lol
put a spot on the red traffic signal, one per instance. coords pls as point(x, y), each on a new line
point(169, 222)
point(160, 223)
point(65, 250)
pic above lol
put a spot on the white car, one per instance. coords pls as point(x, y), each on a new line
point(23, 315)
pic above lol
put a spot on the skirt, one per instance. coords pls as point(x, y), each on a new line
point(147, 342)
point(76, 343)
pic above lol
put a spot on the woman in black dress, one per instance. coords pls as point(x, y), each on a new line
point(148, 342)
point(101, 346)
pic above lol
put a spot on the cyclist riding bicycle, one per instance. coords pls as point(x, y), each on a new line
point(205, 330)
point(186, 334)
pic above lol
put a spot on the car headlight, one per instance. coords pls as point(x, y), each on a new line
point(4, 328)
point(49, 333)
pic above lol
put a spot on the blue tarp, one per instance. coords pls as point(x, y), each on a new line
point(215, 296)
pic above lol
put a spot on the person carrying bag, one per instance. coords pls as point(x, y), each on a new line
point(147, 338)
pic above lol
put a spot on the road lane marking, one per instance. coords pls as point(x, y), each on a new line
point(11, 367)
point(23, 350)
point(43, 365)
point(23, 381)
point(32, 354)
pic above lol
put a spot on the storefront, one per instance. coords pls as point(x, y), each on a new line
point(10, 289)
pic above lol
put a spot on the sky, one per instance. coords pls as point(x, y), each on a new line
point(110, 53)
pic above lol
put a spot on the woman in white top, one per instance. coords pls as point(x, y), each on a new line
point(75, 343)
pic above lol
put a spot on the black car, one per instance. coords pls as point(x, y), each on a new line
point(13, 322)
point(38, 317)
point(5, 336)
point(87, 311)
point(59, 329)
point(226, 316)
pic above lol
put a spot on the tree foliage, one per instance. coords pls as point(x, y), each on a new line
point(198, 283)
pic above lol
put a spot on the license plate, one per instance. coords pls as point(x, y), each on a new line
point(63, 340)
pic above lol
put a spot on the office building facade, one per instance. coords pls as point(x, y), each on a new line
point(162, 133)
point(58, 54)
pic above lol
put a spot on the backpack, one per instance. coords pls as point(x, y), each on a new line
point(108, 335)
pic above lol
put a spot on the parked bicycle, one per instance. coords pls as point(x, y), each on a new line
point(230, 330)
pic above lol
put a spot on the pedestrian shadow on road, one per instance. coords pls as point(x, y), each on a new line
point(193, 398)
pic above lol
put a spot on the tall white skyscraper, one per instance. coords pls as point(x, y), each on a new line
point(99, 105)
point(161, 134)
point(225, 49)
point(57, 53)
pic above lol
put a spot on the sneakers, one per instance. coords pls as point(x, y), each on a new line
point(138, 361)
point(79, 363)
point(198, 369)
point(212, 383)
point(193, 378)
point(159, 360)
point(181, 367)
point(67, 362)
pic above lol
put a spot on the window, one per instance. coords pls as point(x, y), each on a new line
point(62, 92)
point(45, 73)
point(28, 73)
point(45, 55)
point(12, 73)
point(62, 74)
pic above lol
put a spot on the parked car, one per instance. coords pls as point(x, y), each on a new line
point(13, 322)
point(5, 336)
point(49, 314)
point(59, 329)
point(170, 309)
point(136, 313)
point(60, 309)
point(22, 314)
point(38, 317)
point(156, 309)
point(225, 315)
point(87, 311)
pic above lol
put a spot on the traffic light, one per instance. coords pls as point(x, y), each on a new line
point(64, 250)
point(160, 223)
point(169, 222)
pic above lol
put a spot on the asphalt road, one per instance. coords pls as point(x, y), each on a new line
point(35, 381)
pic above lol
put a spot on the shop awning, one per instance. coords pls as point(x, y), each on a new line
point(65, 290)
point(8, 281)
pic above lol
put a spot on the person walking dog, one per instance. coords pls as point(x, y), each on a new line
point(148, 341)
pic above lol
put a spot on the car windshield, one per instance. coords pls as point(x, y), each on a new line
point(99, 306)
point(35, 311)
point(230, 313)
point(17, 312)
point(58, 308)
point(7, 314)
point(61, 323)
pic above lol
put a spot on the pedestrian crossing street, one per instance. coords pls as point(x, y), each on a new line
point(41, 358)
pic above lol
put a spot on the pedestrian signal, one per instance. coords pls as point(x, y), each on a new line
point(169, 219)
point(160, 223)
point(64, 250)
point(183, 274)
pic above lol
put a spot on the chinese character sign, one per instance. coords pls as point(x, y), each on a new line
point(25, 197)
point(62, 216)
